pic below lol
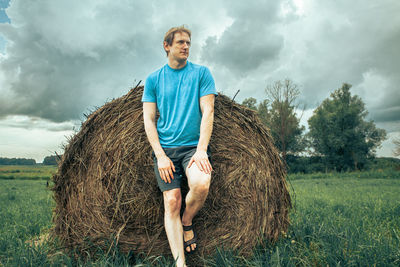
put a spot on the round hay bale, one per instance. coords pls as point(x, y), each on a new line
point(105, 186)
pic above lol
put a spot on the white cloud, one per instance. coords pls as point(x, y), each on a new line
point(26, 122)
point(25, 137)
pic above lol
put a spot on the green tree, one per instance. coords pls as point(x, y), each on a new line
point(50, 160)
point(340, 133)
point(278, 113)
point(282, 118)
point(250, 103)
point(263, 112)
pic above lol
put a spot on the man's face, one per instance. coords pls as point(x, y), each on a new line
point(179, 49)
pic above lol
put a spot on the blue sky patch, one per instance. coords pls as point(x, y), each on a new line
point(3, 15)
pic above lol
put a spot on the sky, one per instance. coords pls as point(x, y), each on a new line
point(61, 59)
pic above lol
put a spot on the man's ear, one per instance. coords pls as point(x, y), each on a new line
point(166, 46)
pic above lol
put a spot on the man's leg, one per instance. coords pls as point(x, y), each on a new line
point(199, 183)
point(173, 224)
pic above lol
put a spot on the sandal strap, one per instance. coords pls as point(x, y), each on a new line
point(189, 242)
point(187, 227)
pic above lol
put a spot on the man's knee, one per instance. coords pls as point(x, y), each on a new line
point(202, 185)
point(172, 200)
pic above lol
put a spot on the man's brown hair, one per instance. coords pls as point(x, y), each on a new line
point(169, 36)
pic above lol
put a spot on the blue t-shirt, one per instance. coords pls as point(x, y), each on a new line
point(177, 93)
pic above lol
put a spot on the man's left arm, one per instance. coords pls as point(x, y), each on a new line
point(200, 158)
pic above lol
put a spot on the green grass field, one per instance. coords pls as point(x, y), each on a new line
point(337, 220)
point(36, 172)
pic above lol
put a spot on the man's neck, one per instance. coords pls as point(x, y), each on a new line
point(176, 64)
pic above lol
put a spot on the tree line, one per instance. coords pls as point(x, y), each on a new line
point(339, 137)
point(49, 160)
point(17, 161)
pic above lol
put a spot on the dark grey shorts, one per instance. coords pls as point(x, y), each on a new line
point(180, 156)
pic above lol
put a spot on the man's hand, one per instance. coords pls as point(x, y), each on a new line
point(166, 168)
point(202, 162)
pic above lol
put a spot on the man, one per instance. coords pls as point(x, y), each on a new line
point(184, 95)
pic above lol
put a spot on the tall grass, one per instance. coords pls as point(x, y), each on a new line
point(377, 174)
point(342, 222)
point(337, 220)
point(25, 212)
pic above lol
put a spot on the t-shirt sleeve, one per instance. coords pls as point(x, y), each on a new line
point(207, 84)
point(149, 93)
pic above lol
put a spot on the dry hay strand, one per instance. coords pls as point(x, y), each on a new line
point(105, 186)
point(39, 240)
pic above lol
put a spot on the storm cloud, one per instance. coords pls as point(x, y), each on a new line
point(353, 42)
point(245, 45)
point(62, 58)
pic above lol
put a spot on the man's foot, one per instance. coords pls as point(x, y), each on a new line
point(189, 238)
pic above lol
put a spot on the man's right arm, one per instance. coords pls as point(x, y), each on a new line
point(165, 165)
